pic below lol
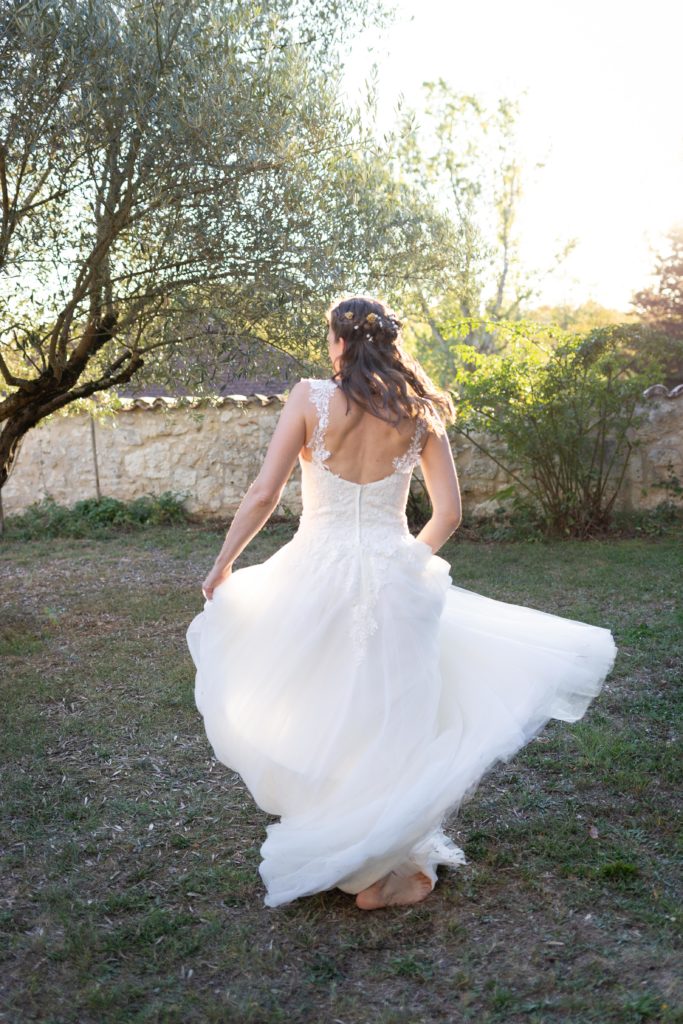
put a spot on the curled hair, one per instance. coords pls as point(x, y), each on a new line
point(376, 371)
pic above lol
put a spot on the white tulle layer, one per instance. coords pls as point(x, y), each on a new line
point(363, 763)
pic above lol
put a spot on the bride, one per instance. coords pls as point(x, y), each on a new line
point(360, 693)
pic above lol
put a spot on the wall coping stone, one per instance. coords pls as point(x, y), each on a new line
point(256, 397)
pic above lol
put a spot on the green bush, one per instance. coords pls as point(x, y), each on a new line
point(666, 517)
point(523, 522)
point(94, 517)
point(418, 506)
point(561, 418)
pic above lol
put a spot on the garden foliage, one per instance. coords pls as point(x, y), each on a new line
point(560, 414)
point(96, 517)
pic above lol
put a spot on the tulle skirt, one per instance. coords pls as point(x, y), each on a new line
point(363, 759)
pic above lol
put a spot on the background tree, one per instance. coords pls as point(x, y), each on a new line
point(464, 155)
point(161, 162)
point(580, 319)
point(661, 306)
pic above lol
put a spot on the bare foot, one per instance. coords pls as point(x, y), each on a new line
point(394, 891)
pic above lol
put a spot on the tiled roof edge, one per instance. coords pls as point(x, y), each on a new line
point(192, 401)
point(257, 398)
point(661, 391)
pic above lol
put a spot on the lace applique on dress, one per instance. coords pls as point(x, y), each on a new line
point(402, 463)
point(321, 391)
point(372, 573)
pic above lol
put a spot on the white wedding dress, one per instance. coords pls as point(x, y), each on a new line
point(361, 695)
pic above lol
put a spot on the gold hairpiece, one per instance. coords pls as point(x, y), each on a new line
point(371, 317)
point(349, 315)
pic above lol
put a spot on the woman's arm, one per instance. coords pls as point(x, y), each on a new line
point(263, 494)
point(441, 480)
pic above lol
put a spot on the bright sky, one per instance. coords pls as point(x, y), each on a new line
point(603, 110)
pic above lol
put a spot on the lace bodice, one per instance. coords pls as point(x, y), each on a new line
point(321, 392)
point(373, 513)
point(364, 524)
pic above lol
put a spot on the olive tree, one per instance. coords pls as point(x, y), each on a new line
point(165, 162)
point(661, 305)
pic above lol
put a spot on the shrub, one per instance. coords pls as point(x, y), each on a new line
point(564, 415)
point(418, 506)
point(93, 517)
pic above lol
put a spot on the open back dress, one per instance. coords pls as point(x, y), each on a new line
point(360, 694)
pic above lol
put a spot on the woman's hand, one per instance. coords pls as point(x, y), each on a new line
point(218, 574)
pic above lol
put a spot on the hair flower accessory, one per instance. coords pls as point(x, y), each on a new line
point(371, 317)
point(348, 315)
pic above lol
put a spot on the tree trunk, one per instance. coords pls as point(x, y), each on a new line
point(10, 443)
point(48, 396)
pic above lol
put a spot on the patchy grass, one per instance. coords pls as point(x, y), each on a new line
point(131, 891)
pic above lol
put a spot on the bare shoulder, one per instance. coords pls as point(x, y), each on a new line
point(300, 391)
point(436, 441)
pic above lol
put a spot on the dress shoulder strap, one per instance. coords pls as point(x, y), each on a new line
point(320, 392)
point(405, 462)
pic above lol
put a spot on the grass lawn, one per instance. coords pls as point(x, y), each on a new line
point(130, 884)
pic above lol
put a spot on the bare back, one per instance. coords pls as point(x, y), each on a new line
point(363, 447)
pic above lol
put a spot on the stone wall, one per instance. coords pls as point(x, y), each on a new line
point(211, 453)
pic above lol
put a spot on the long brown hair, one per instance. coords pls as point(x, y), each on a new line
point(376, 371)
